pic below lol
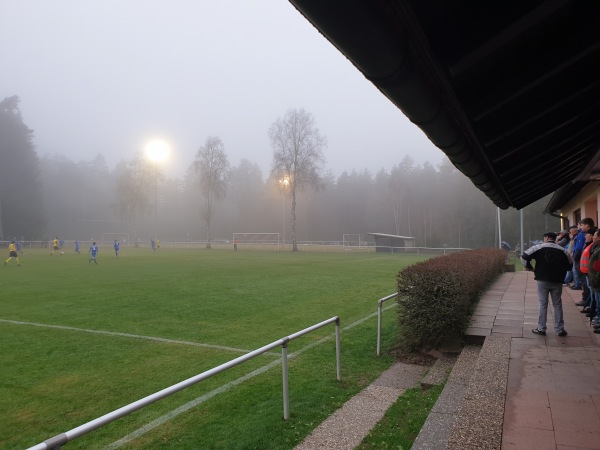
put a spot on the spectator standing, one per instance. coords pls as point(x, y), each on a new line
point(563, 238)
point(551, 265)
point(578, 246)
point(573, 230)
point(584, 262)
point(594, 278)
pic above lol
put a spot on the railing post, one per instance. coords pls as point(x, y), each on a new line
point(284, 370)
point(338, 352)
point(379, 318)
point(379, 308)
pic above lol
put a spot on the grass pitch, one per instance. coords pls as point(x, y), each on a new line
point(79, 340)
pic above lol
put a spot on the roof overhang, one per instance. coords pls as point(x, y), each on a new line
point(509, 91)
point(382, 235)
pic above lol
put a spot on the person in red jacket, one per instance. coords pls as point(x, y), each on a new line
point(584, 262)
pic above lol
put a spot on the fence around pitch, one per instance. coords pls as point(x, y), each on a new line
point(223, 244)
point(59, 440)
point(379, 312)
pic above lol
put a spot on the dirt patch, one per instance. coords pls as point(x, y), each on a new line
point(418, 358)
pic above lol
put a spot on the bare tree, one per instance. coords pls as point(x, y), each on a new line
point(134, 184)
point(297, 155)
point(212, 166)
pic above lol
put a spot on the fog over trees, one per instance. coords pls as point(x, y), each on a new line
point(212, 168)
point(297, 156)
point(54, 196)
point(20, 183)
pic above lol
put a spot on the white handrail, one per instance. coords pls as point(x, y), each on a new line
point(61, 439)
point(379, 309)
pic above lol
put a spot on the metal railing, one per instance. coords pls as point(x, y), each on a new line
point(61, 439)
point(379, 311)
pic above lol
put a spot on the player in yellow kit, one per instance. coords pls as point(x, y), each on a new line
point(12, 251)
point(54, 246)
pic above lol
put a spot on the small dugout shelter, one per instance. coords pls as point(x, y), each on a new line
point(391, 243)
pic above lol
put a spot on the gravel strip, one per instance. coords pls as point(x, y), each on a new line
point(479, 421)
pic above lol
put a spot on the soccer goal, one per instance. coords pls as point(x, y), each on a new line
point(350, 241)
point(257, 240)
point(109, 238)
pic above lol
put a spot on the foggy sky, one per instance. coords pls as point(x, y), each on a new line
point(107, 76)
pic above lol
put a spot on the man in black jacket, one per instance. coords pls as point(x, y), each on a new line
point(551, 265)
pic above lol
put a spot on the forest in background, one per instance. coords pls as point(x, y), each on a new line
point(41, 198)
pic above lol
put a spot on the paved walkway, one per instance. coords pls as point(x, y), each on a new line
point(346, 428)
point(553, 388)
point(518, 391)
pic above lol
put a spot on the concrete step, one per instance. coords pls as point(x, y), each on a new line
point(470, 410)
point(438, 426)
point(439, 372)
point(348, 426)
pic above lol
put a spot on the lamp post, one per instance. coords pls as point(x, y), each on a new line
point(283, 184)
point(156, 151)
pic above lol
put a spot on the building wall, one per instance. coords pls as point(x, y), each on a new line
point(585, 204)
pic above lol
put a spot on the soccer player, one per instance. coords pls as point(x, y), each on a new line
point(116, 246)
point(12, 251)
point(158, 244)
point(77, 247)
point(19, 247)
point(54, 246)
point(153, 243)
point(94, 251)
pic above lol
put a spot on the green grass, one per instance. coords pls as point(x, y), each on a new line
point(55, 379)
point(403, 421)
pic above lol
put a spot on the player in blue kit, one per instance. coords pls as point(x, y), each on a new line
point(94, 251)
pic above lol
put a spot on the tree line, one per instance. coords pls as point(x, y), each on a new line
point(54, 196)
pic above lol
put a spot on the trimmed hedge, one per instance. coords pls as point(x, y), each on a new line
point(436, 297)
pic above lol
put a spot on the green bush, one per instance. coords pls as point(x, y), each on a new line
point(436, 296)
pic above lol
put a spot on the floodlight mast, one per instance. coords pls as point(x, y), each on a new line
point(156, 151)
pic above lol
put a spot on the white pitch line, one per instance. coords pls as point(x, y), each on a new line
point(135, 336)
point(183, 408)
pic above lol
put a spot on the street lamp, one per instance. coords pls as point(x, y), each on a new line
point(283, 184)
point(156, 151)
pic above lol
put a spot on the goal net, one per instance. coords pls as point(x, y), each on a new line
point(354, 240)
point(257, 239)
point(109, 238)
